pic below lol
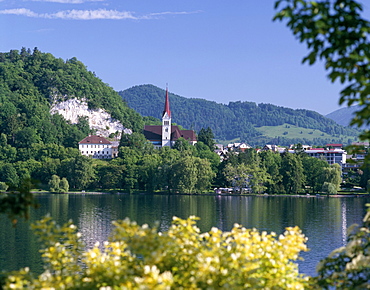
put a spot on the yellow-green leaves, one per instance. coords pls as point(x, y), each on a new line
point(140, 257)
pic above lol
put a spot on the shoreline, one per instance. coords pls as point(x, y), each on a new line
point(206, 194)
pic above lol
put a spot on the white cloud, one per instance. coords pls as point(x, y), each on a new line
point(88, 14)
point(174, 13)
point(91, 14)
point(73, 14)
point(20, 11)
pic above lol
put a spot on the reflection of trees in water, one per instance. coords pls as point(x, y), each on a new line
point(95, 225)
point(344, 223)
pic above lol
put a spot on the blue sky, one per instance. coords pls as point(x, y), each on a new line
point(216, 50)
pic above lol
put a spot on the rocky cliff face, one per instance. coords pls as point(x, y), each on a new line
point(99, 120)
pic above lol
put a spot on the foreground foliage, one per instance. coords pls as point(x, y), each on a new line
point(140, 257)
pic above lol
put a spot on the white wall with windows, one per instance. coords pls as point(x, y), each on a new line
point(98, 151)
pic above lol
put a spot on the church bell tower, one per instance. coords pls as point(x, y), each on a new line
point(166, 122)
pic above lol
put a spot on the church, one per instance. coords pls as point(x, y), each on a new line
point(167, 134)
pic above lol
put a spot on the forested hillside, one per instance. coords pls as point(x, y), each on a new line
point(236, 119)
point(31, 81)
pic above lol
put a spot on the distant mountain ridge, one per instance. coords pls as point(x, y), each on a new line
point(343, 116)
point(236, 120)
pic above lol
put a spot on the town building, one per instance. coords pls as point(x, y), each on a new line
point(239, 147)
point(330, 155)
point(274, 148)
point(334, 155)
point(167, 134)
point(96, 147)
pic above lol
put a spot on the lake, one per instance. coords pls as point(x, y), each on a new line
point(323, 220)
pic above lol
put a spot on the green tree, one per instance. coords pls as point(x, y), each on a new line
point(63, 185)
point(45, 169)
point(292, 172)
point(26, 137)
point(204, 153)
point(8, 153)
point(237, 176)
point(54, 183)
point(79, 171)
point(129, 160)
point(184, 174)
point(329, 188)
point(249, 157)
point(333, 175)
point(148, 172)
point(182, 145)
point(110, 175)
point(314, 171)
point(271, 161)
point(8, 174)
point(207, 137)
point(205, 175)
point(3, 140)
point(136, 141)
point(247, 177)
point(3, 186)
point(168, 158)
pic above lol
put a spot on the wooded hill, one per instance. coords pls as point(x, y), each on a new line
point(245, 121)
point(31, 80)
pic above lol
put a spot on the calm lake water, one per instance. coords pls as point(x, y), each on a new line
point(323, 220)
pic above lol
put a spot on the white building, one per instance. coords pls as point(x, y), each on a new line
point(95, 146)
point(331, 156)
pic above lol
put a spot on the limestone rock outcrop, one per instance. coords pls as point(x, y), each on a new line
point(99, 119)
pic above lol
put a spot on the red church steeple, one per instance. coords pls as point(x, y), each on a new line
point(167, 105)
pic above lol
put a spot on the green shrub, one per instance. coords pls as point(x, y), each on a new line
point(3, 186)
point(140, 257)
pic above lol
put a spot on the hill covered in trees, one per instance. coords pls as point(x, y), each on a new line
point(31, 81)
point(239, 120)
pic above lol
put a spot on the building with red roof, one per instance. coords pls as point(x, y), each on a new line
point(166, 134)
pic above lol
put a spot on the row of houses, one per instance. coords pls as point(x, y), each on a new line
point(332, 153)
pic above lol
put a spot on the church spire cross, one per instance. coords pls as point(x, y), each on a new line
point(167, 105)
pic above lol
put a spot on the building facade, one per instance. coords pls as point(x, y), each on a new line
point(331, 156)
point(96, 147)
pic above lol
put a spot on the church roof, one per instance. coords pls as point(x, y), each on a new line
point(167, 105)
point(93, 139)
point(154, 133)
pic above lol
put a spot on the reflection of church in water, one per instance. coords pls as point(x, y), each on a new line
point(167, 134)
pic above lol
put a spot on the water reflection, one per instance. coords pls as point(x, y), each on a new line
point(323, 220)
point(344, 223)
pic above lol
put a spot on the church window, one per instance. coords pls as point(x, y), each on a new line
point(166, 123)
point(166, 130)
